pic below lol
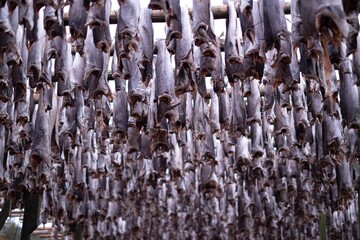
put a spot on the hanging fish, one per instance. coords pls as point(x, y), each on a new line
point(184, 60)
point(77, 19)
point(98, 21)
point(127, 27)
point(164, 84)
point(146, 33)
point(202, 25)
point(234, 53)
point(349, 96)
point(238, 115)
point(41, 141)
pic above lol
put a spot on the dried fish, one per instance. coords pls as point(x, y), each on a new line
point(77, 19)
point(98, 21)
point(146, 33)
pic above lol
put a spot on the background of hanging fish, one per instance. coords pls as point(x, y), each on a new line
point(271, 145)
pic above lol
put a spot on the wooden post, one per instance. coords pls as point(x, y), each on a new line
point(5, 212)
point(31, 213)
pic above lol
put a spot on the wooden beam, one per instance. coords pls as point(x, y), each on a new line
point(219, 12)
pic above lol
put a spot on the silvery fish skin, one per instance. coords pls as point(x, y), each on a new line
point(300, 112)
point(53, 22)
point(184, 61)
point(208, 144)
point(199, 117)
point(281, 125)
point(77, 19)
point(224, 109)
point(164, 84)
point(5, 26)
point(314, 100)
point(312, 15)
point(234, 52)
point(246, 19)
point(256, 140)
point(202, 22)
point(94, 64)
point(173, 21)
point(116, 74)
point(253, 103)
point(354, 27)
point(238, 124)
point(63, 65)
point(217, 77)
point(41, 141)
point(78, 71)
point(146, 33)
point(349, 96)
point(332, 134)
point(356, 61)
point(36, 53)
point(275, 30)
point(207, 63)
point(136, 89)
point(127, 26)
point(214, 113)
point(98, 20)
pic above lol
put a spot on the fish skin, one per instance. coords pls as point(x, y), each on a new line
point(224, 110)
point(173, 21)
point(214, 113)
point(146, 33)
point(77, 19)
point(5, 25)
point(137, 94)
point(253, 103)
point(202, 23)
point(314, 18)
point(332, 135)
point(349, 103)
point(356, 61)
point(208, 145)
point(273, 29)
point(164, 85)
point(234, 53)
point(158, 5)
point(199, 122)
point(246, 19)
point(36, 53)
point(40, 137)
point(98, 20)
point(184, 44)
point(217, 77)
point(127, 26)
point(281, 118)
point(184, 60)
point(63, 64)
point(314, 100)
point(53, 22)
point(308, 64)
point(238, 116)
point(301, 120)
point(257, 145)
point(233, 49)
point(354, 27)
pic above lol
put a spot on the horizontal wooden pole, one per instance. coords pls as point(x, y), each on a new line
point(219, 12)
